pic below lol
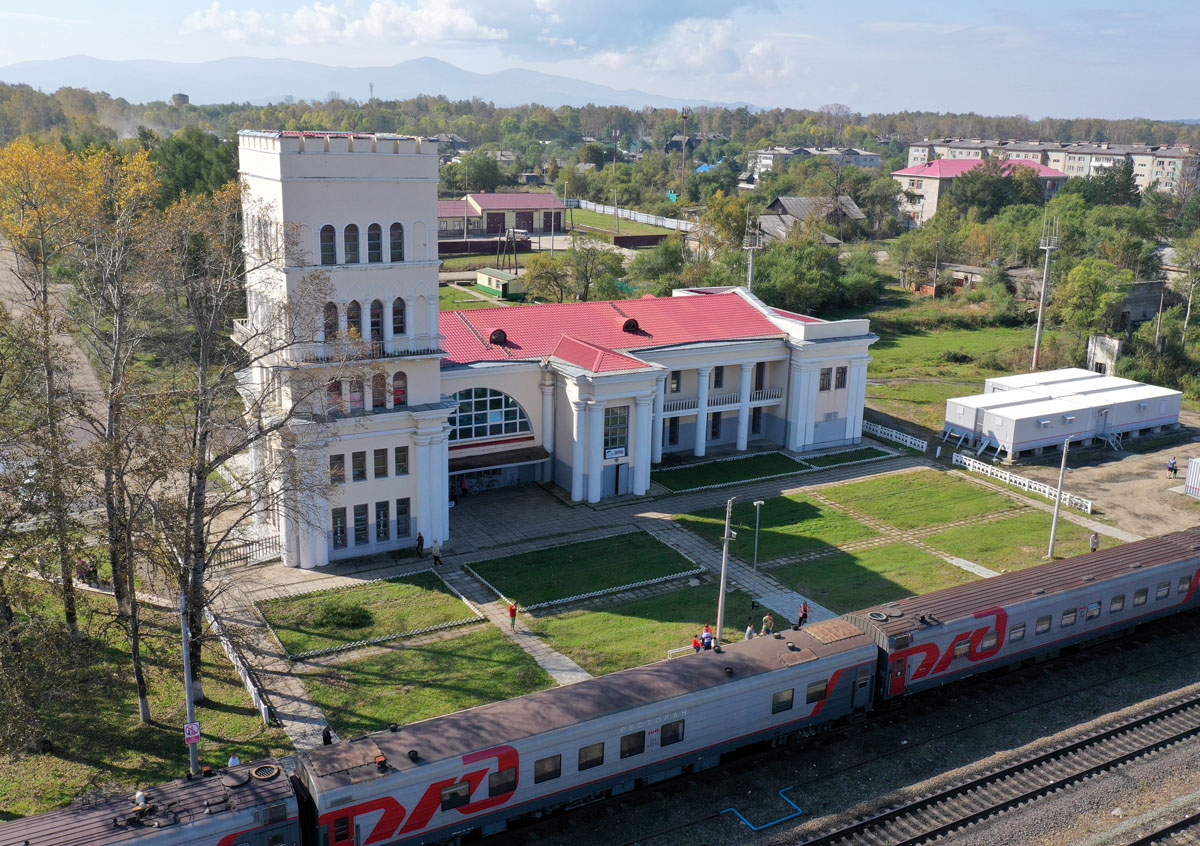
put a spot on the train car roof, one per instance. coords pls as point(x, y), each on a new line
point(962, 601)
point(112, 818)
point(452, 735)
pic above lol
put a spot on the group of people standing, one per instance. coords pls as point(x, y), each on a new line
point(706, 639)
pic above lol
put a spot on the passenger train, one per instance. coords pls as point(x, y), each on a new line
point(479, 771)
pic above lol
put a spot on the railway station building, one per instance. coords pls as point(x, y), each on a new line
point(416, 404)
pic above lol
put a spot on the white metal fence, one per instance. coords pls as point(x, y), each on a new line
point(894, 435)
point(640, 217)
point(249, 679)
point(1068, 499)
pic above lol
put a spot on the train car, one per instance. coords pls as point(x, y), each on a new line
point(247, 805)
point(484, 767)
point(928, 640)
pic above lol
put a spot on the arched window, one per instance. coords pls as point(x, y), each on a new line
point(354, 319)
point(486, 413)
point(399, 389)
point(374, 243)
point(379, 390)
point(328, 245)
point(396, 239)
point(351, 244)
point(376, 321)
point(397, 317)
point(331, 321)
point(334, 392)
point(356, 395)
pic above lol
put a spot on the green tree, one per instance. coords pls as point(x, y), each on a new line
point(193, 162)
point(590, 261)
point(665, 259)
point(799, 274)
point(548, 277)
point(479, 172)
point(1089, 299)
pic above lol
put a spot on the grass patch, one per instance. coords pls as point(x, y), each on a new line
point(596, 220)
point(788, 524)
point(559, 572)
point(852, 580)
point(923, 498)
point(452, 297)
point(417, 683)
point(641, 632)
point(920, 402)
point(395, 605)
point(727, 472)
point(468, 261)
point(98, 740)
point(834, 460)
point(1013, 543)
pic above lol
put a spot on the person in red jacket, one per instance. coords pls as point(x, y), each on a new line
point(512, 615)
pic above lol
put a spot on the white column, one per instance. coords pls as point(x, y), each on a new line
point(808, 390)
point(289, 528)
point(656, 444)
point(425, 499)
point(595, 468)
point(441, 487)
point(792, 406)
point(343, 321)
point(548, 424)
point(410, 320)
point(388, 395)
point(433, 320)
point(701, 410)
point(318, 530)
point(578, 428)
point(857, 385)
point(369, 393)
point(743, 430)
point(642, 450)
point(387, 325)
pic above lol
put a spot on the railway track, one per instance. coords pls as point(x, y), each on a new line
point(948, 810)
point(1184, 832)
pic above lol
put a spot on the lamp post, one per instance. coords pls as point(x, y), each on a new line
point(1062, 472)
point(729, 535)
point(758, 504)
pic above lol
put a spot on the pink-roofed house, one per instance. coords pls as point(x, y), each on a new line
point(924, 184)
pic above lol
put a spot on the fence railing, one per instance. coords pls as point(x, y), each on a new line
point(1033, 486)
point(639, 217)
point(257, 692)
point(894, 435)
point(248, 552)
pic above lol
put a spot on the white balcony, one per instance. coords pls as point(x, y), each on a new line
point(723, 402)
point(317, 353)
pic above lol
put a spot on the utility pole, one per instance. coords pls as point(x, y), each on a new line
point(729, 535)
point(193, 748)
point(685, 114)
point(1049, 244)
point(616, 217)
point(751, 243)
point(1162, 294)
point(1062, 472)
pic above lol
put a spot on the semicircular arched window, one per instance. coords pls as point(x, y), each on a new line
point(487, 413)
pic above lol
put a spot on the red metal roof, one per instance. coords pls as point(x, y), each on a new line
point(950, 168)
point(515, 200)
point(535, 331)
point(594, 358)
point(452, 208)
point(791, 315)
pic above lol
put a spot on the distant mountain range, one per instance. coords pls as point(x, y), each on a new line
point(261, 81)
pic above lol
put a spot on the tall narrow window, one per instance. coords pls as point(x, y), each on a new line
point(337, 469)
point(715, 425)
point(339, 528)
point(396, 242)
point(381, 462)
point(402, 461)
point(356, 395)
point(673, 431)
point(826, 378)
point(398, 317)
point(374, 243)
point(334, 391)
point(331, 321)
point(399, 389)
point(328, 245)
point(354, 319)
point(376, 321)
point(383, 522)
point(760, 375)
point(674, 385)
point(361, 535)
point(718, 377)
point(351, 243)
point(403, 520)
point(379, 391)
point(358, 466)
point(840, 381)
point(616, 427)
point(756, 421)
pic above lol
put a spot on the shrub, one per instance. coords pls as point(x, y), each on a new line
point(955, 357)
point(341, 613)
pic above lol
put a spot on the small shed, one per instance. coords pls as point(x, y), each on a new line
point(501, 283)
point(1191, 485)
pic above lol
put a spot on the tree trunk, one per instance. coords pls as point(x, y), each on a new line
point(198, 500)
point(1187, 316)
point(36, 741)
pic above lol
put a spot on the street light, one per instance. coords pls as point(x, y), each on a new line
point(758, 504)
point(729, 535)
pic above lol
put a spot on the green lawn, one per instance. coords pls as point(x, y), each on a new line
point(597, 220)
point(641, 632)
point(1013, 543)
point(559, 572)
point(919, 401)
point(396, 605)
point(789, 524)
point(845, 457)
point(416, 683)
point(452, 297)
point(852, 580)
point(469, 261)
point(98, 740)
point(726, 472)
point(923, 498)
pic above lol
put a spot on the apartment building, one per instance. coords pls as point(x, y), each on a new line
point(774, 158)
point(925, 184)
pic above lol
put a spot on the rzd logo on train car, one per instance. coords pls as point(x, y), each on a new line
point(934, 661)
point(394, 819)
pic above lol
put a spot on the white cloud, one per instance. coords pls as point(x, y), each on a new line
point(915, 26)
point(230, 24)
point(316, 24)
point(423, 22)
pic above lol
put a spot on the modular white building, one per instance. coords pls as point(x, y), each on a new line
point(414, 404)
point(1023, 415)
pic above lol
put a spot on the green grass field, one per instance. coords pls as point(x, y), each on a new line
point(1013, 543)
point(98, 740)
point(845, 457)
point(727, 472)
point(452, 297)
point(923, 498)
point(852, 580)
point(597, 220)
point(470, 261)
point(562, 571)
point(396, 605)
point(789, 524)
point(640, 632)
point(410, 684)
point(920, 402)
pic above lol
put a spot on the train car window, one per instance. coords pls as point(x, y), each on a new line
point(671, 733)
point(1117, 603)
point(591, 756)
point(864, 678)
point(961, 648)
point(1068, 619)
point(633, 744)
point(341, 828)
point(456, 795)
point(547, 769)
point(276, 840)
point(781, 701)
point(1093, 611)
point(502, 781)
point(989, 641)
point(1016, 633)
point(816, 691)
point(1164, 590)
point(1139, 596)
point(902, 641)
point(1185, 584)
point(1042, 626)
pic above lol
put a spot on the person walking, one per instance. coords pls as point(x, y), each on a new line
point(512, 615)
point(1094, 541)
point(768, 625)
point(420, 545)
point(803, 615)
point(437, 554)
point(696, 643)
point(707, 638)
point(462, 487)
point(1172, 468)
point(750, 631)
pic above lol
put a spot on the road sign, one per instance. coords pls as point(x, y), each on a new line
point(191, 732)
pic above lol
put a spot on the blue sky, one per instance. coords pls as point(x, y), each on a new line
point(1066, 59)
